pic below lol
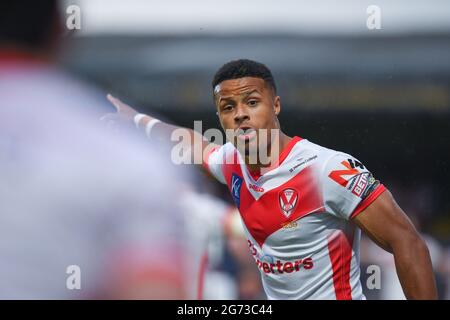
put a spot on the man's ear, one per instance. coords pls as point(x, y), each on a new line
point(277, 105)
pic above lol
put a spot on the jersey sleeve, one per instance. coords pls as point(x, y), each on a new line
point(348, 186)
point(213, 162)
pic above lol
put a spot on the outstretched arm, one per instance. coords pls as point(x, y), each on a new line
point(156, 129)
point(388, 226)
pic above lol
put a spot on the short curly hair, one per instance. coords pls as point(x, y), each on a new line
point(244, 68)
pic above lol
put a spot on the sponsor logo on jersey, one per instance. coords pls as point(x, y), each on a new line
point(268, 264)
point(355, 163)
point(360, 184)
point(281, 267)
point(256, 188)
point(289, 225)
point(350, 165)
point(302, 162)
point(236, 183)
point(372, 184)
point(363, 185)
point(288, 199)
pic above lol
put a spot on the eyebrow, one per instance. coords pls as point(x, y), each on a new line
point(244, 94)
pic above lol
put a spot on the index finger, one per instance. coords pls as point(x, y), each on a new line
point(115, 102)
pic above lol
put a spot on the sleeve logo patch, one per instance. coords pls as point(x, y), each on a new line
point(236, 183)
point(350, 165)
point(360, 184)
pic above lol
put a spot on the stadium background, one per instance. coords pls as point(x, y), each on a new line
point(380, 95)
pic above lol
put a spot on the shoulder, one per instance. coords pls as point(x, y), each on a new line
point(332, 165)
point(218, 154)
point(323, 155)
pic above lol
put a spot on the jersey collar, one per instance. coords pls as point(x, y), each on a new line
point(256, 174)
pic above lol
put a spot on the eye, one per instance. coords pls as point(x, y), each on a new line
point(227, 107)
point(252, 102)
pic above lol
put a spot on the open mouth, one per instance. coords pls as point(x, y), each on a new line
point(245, 133)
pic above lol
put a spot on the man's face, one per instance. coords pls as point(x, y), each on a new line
point(246, 106)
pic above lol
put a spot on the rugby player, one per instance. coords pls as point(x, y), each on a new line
point(302, 210)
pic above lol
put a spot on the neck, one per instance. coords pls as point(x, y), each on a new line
point(274, 149)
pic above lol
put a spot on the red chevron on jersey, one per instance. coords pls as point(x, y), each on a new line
point(262, 215)
point(296, 218)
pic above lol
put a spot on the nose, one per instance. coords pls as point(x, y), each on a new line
point(241, 114)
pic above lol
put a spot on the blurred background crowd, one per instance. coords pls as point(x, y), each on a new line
point(380, 94)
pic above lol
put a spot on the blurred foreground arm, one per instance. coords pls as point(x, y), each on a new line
point(156, 129)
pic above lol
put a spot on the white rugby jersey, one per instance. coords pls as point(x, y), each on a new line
point(75, 194)
point(296, 218)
